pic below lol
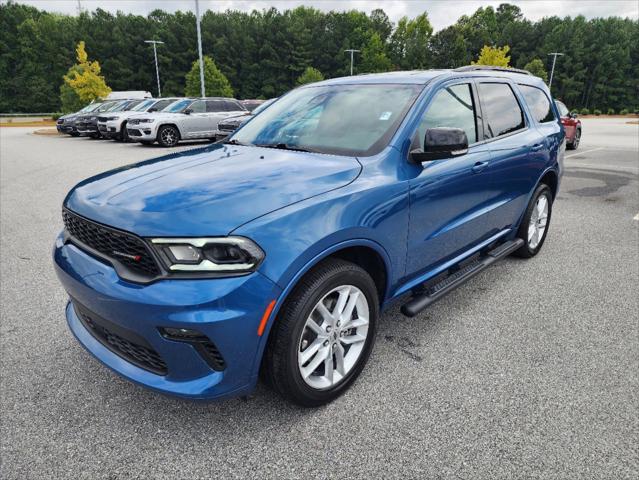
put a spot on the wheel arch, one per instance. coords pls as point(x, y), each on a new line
point(168, 124)
point(363, 252)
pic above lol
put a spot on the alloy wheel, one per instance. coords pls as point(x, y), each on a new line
point(169, 136)
point(538, 222)
point(333, 337)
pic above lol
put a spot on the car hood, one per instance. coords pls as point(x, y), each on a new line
point(236, 120)
point(209, 191)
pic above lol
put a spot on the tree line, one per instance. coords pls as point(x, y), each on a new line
point(265, 53)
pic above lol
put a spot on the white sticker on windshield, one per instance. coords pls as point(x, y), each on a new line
point(385, 115)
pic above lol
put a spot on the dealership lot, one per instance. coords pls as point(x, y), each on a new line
point(529, 370)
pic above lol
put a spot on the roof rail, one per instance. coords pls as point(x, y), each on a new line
point(469, 68)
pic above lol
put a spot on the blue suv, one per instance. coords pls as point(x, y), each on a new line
point(275, 251)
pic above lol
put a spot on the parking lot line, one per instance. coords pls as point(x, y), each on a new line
point(581, 153)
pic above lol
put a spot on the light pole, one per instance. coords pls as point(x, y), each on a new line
point(552, 71)
point(199, 47)
point(157, 69)
point(352, 52)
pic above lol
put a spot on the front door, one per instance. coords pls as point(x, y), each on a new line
point(196, 125)
point(449, 198)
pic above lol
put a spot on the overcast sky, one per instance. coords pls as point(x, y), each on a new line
point(442, 13)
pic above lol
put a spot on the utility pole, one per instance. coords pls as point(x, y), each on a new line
point(157, 69)
point(552, 71)
point(199, 47)
point(352, 52)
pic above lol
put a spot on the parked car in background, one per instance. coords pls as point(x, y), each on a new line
point(251, 105)
point(88, 124)
point(66, 123)
point(572, 125)
point(274, 252)
point(227, 126)
point(187, 119)
point(129, 94)
point(113, 124)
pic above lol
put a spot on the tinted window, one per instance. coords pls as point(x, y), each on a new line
point(232, 106)
point(538, 103)
point(451, 107)
point(563, 109)
point(501, 109)
point(216, 106)
point(198, 107)
point(162, 104)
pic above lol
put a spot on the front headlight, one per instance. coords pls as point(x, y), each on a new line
point(110, 119)
point(146, 120)
point(209, 255)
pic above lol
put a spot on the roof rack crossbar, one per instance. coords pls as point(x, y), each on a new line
point(469, 68)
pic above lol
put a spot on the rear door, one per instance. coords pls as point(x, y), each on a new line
point(448, 197)
point(518, 151)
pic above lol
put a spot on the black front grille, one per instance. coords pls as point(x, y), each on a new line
point(125, 248)
point(212, 356)
point(133, 349)
point(102, 128)
point(102, 119)
point(134, 132)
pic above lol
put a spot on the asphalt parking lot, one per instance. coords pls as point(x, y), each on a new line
point(530, 370)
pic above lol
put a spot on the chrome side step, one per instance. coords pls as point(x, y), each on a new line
point(457, 277)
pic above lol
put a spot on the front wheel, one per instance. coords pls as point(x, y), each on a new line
point(124, 134)
point(168, 136)
point(534, 226)
point(323, 335)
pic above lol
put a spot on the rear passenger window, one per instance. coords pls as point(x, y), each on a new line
point(232, 106)
point(501, 109)
point(538, 103)
point(451, 107)
point(213, 106)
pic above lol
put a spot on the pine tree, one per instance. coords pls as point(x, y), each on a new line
point(215, 82)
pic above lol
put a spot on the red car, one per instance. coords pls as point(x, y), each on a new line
point(572, 126)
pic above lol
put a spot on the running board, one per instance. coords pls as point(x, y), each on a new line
point(458, 277)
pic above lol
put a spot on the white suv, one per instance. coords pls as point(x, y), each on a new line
point(114, 125)
point(187, 119)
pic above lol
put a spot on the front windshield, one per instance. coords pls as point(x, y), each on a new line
point(105, 107)
point(141, 107)
point(90, 107)
point(178, 106)
point(336, 119)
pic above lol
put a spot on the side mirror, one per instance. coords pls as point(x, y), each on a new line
point(152, 109)
point(440, 143)
point(573, 115)
point(188, 111)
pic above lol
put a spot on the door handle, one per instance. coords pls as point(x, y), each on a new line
point(479, 166)
point(537, 147)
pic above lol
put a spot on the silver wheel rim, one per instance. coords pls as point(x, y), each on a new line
point(538, 222)
point(577, 137)
point(333, 337)
point(168, 136)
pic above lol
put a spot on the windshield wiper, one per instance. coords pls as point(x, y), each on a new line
point(233, 142)
point(286, 146)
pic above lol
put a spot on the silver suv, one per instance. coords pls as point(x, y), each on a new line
point(114, 125)
point(187, 119)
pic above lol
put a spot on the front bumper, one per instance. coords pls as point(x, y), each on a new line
point(143, 131)
point(109, 129)
point(226, 310)
point(89, 127)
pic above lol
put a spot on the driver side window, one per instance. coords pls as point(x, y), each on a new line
point(452, 107)
point(198, 107)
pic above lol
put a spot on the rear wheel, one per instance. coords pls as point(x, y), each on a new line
point(168, 136)
point(575, 142)
point(323, 335)
point(534, 227)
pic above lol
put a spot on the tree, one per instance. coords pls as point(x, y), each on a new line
point(536, 67)
point(495, 56)
point(310, 75)
point(217, 85)
point(69, 99)
point(84, 77)
point(409, 43)
point(374, 57)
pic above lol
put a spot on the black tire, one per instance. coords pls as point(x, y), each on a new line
point(124, 135)
point(575, 143)
point(526, 250)
point(280, 366)
point(168, 136)
point(146, 142)
point(74, 134)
